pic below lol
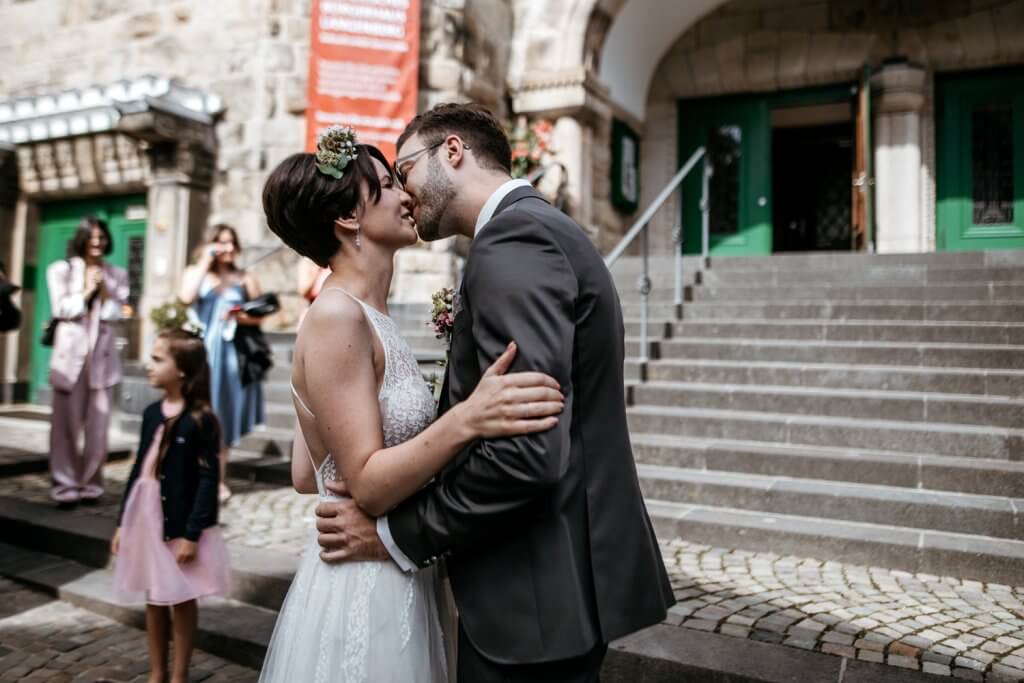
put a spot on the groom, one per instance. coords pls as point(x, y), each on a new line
point(548, 545)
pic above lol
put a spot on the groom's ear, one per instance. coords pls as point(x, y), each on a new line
point(454, 150)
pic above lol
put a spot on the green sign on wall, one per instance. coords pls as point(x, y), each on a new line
point(625, 167)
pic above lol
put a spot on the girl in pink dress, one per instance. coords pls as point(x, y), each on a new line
point(169, 549)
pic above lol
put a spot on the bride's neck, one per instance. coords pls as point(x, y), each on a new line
point(365, 275)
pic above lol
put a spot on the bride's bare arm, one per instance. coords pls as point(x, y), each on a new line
point(344, 399)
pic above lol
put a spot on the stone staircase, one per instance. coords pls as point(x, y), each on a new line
point(858, 408)
point(839, 407)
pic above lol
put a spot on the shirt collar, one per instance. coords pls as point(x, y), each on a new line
point(491, 205)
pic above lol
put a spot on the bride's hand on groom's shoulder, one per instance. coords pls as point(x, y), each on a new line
point(346, 533)
point(510, 404)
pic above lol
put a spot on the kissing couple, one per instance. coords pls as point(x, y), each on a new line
point(520, 486)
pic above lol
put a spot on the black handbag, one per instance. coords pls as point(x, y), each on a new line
point(49, 331)
point(263, 305)
point(255, 357)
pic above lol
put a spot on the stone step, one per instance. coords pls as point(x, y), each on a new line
point(940, 553)
point(996, 443)
point(259, 577)
point(842, 330)
point(852, 276)
point(838, 259)
point(836, 375)
point(902, 311)
point(267, 442)
point(853, 403)
point(230, 629)
point(992, 356)
point(990, 516)
point(279, 415)
point(852, 465)
point(842, 292)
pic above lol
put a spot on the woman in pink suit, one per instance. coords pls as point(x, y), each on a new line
point(88, 296)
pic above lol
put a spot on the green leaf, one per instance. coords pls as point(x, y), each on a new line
point(328, 170)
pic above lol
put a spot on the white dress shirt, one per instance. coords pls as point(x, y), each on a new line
point(485, 216)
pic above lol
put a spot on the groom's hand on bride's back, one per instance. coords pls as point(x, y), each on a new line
point(345, 532)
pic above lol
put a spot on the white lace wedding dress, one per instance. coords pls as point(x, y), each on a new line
point(366, 621)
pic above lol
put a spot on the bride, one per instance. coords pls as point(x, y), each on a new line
point(366, 416)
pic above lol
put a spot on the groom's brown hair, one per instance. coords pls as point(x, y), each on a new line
point(475, 124)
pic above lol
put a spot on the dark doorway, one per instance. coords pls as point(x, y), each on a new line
point(812, 170)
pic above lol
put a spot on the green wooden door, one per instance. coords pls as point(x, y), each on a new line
point(125, 217)
point(980, 155)
point(736, 131)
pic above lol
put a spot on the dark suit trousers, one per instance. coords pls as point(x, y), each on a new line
point(475, 668)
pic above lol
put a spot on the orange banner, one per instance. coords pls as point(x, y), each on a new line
point(363, 69)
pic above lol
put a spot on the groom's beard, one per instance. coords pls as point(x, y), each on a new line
point(435, 221)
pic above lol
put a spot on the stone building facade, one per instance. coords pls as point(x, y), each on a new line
point(181, 108)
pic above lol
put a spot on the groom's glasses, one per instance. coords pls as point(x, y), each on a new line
point(404, 165)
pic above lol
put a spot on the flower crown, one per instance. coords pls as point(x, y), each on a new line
point(335, 148)
point(176, 315)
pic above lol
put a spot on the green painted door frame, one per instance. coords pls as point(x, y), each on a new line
point(57, 224)
point(959, 97)
point(749, 117)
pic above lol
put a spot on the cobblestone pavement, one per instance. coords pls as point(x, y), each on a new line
point(259, 515)
point(939, 625)
point(49, 641)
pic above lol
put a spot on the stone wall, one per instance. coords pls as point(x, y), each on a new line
point(768, 45)
point(254, 54)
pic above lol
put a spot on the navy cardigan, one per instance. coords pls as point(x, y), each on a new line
point(189, 473)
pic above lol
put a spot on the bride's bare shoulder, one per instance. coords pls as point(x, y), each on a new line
point(334, 318)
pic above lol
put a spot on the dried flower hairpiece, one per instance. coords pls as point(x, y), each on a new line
point(177, 315)
point(335, 148)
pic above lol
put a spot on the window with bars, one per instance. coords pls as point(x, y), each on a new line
point(136, 259)
point(992, 163)
point(723, 149)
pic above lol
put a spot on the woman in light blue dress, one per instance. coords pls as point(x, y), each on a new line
point(215, 286)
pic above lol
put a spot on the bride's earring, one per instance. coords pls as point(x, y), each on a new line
point(359, 242)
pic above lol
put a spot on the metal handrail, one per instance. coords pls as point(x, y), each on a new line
point(640, 227)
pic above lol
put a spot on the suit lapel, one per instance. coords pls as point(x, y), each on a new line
point(514, 196)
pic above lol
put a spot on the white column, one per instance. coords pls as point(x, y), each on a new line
point(899, 220)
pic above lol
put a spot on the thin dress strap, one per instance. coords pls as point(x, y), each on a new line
point(373, 323)
point(371, 314)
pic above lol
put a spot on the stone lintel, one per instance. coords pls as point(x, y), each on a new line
point(574, 92)
point(157, 124)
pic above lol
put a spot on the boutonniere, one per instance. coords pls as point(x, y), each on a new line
point(442, 316)
point(442, 319)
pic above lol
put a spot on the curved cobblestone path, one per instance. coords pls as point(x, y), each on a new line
point(940, 625)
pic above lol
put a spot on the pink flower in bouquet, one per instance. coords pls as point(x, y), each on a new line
point(442, 317)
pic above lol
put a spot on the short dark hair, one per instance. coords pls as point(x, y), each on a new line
point(80, 241)
point(301, 203)
point(473, 123)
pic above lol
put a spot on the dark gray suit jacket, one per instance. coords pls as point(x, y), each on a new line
point(548, 543)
